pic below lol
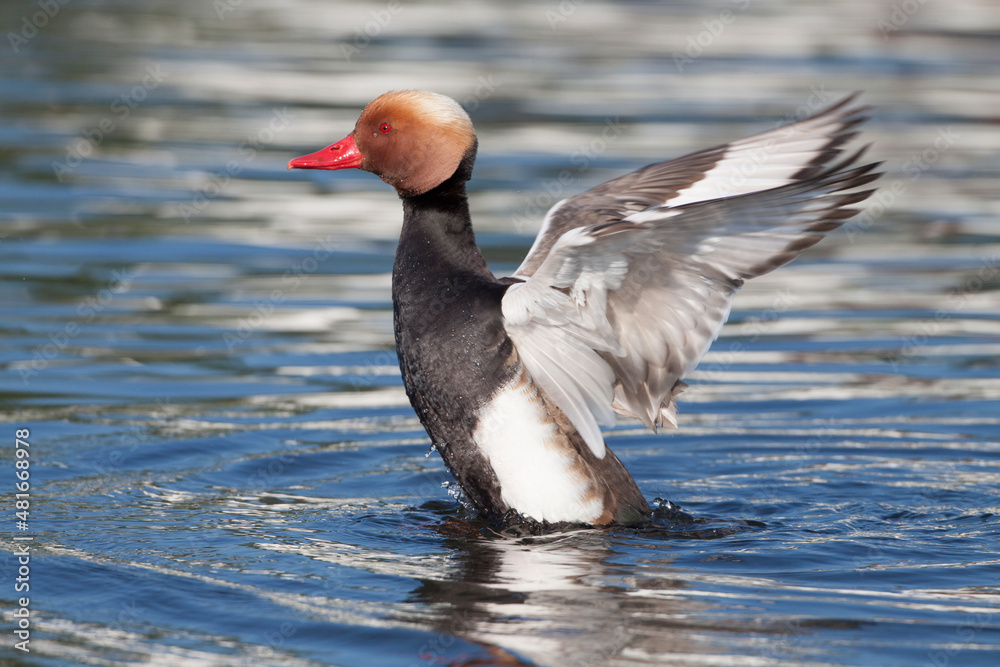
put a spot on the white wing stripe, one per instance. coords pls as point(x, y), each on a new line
point(758, 163)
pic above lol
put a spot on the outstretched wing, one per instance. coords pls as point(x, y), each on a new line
point(787, 154)
point(615, 311)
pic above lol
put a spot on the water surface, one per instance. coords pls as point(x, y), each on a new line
point(225, 469)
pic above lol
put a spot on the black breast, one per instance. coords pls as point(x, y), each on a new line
point(454, 355)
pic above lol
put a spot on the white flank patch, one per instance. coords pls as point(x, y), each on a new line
point(533, 468)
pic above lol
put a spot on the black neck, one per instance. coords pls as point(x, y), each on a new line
point(437, 238)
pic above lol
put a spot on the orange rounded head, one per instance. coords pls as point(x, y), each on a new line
point(411, 139)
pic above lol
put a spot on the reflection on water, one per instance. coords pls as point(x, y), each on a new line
point(226, 470)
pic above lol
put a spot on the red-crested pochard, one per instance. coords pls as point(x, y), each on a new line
point(622, 293)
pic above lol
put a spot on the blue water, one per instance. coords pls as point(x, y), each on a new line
point(224, 469)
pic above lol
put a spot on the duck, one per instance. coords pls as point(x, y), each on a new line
point(619, 297)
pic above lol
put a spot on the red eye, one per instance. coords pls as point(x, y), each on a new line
point(385, 128)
